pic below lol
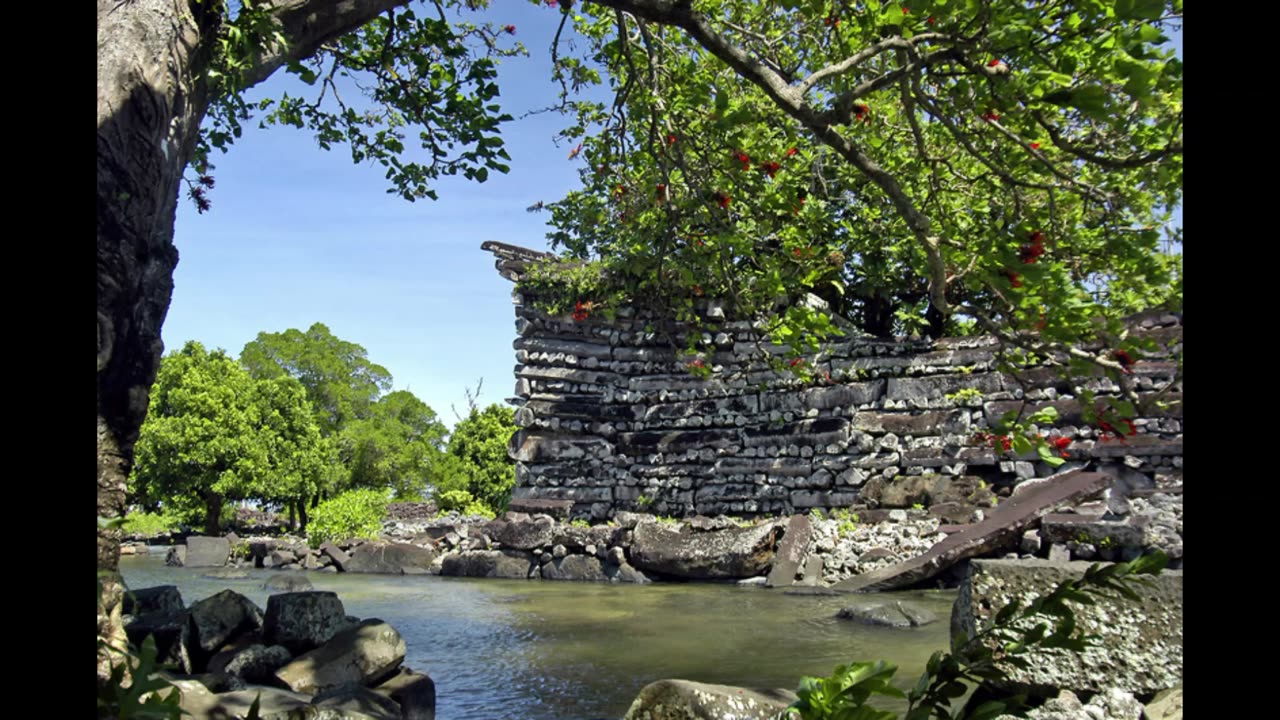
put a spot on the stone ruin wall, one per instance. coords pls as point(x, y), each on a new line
point(611, 419)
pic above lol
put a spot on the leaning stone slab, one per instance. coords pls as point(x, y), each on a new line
point(364, 654)
point(786, 563)
point(687, 700)
point(1002, 527)
point(302, 621)
point(729, 553)
point(335, 553)
point(558, 509)
point(207, 551)
point(219, 618)
point(390, 559)
point(1140, 643)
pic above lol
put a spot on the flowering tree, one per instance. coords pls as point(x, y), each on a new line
point(934, 165)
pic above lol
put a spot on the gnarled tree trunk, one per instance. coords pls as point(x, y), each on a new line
point(151, 99)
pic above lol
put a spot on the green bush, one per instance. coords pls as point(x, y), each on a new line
point(149, 524)
point(461, 501)
point(353, 514)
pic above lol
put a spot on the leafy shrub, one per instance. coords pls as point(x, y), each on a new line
point(353, 514)
point(462, 502)
point(1046, 622)
point(149, 524)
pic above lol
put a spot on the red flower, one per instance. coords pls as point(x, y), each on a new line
point(697, 290)
point(619, 191)
point(1035, 146)
point(796, 362)
point(930, 21)
point(995, 62)
point(574, 152)
point(791, 152)
point(745, 159)
point(1133, 430)
point(990, 116)
point(1032, 251)
point(671, 139)
point(1122, 357)
point(580, 311)
point(906, 11)
point(1014, 280)
point(831, 21)
point(1061, 443)
point(861, 112)
point(1036, 237)
point(510, 29)
point(724, 200)
point(552, 3)
point(699, 364)
point(770, 168)
point(662, 193)
point(796, 252)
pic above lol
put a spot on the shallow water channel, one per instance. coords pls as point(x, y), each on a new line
point(542, 650)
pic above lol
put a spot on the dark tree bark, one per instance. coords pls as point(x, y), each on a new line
point(153, 57)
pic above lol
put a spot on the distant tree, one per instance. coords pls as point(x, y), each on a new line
point(341, 383)
point(479, 444)
point(394, 446)
point(215, 434)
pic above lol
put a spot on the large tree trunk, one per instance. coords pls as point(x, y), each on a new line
point(151, 99)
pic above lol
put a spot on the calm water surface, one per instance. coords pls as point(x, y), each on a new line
point(500, 649)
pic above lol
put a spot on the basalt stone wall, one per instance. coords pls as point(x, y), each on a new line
point(612, 419)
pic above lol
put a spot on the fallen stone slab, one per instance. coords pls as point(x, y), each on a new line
point(206, 551)
point(687, 700)
point(791, 550)
point(513, 564)
point(335, 553)
point(1140, 643)
point(522, 534)
point(365, 654)
point(1066, 527)
point(575, 567)
point(729, 553)
point(1002, 527)
point(390, 559)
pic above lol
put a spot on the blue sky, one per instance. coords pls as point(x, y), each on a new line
point(298, 235)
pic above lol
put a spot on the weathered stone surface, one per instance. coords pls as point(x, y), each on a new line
point(414, 692)
point(288, 582)
point(157, 599)
point(279, 558)
point(512, 564)
point(1166, 705)
point(172, 633)
point(791, 552)
point(522, 534)
point(729, 553)
point(687, 700)
point(257, 663)
point(351, 699)
point(891, 614)
point(558, 509)
point(301, 621)
point(1000, 528)
point(220, 617)
point(1064, 528)
point(177, 556)
point(206, 551)
point(575, 567)
point(274, 704)
point(390, 559)
point(364, 654)
point(624, 573)
point(1140, 648)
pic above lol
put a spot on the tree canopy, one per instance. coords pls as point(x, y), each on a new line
point(215, 434)
point(395, 446)
point(476, 458)
point(928, 165)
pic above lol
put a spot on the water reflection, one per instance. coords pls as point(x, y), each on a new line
point(569, 651)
